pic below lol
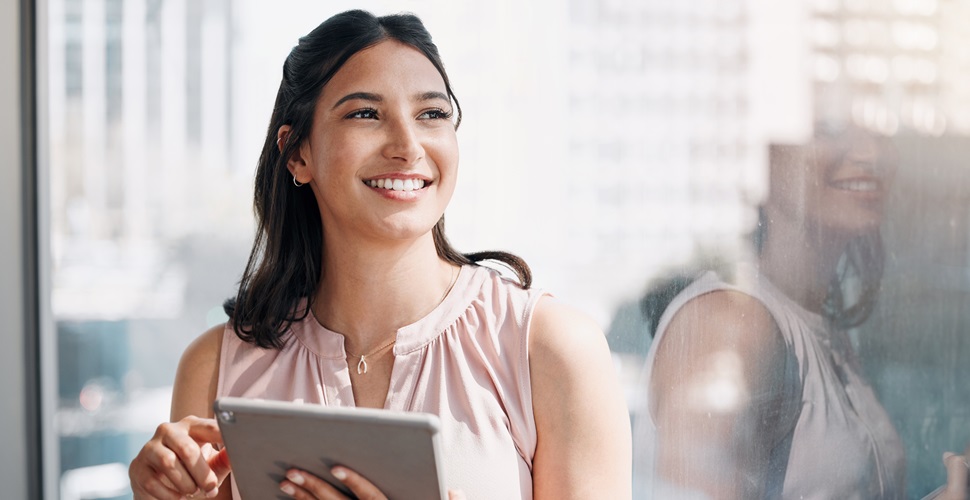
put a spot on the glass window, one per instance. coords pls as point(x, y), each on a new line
point(621, 148)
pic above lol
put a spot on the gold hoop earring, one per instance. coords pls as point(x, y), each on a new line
point(297, 183)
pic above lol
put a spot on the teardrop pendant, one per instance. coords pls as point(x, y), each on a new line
point(361, 366)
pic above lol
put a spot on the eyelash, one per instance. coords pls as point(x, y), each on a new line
point(441, 114)
point(360, 112)
point(438, 114)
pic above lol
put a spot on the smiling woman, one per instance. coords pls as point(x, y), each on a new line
point(351, 267)
point(753, 388)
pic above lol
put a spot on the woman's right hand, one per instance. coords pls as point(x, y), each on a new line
point(957, 476)
point(180, 460)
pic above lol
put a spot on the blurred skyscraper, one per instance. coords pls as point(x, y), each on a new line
point(139, 142)
point(666, 146)
point(605, 140)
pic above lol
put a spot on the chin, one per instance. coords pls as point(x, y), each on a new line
point(855, 224)
point(408, 229)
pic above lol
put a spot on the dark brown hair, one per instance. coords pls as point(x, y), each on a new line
point(285, 262)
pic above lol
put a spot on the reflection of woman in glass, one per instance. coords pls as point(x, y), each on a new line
point(354, 297)
point(753, 387)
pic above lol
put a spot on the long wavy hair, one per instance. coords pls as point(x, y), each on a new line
point(854, 286)
point(285, 263)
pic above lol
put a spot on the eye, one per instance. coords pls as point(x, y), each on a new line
point(366, 114)
point(435, 114)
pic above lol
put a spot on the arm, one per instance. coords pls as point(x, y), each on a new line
point(582, 423)
point(177, 460)
point(716, 390)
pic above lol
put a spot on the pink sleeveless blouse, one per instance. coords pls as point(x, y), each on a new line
point(467, 362)
point(838, 441)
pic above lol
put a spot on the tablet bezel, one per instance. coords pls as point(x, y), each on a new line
point(397, 451)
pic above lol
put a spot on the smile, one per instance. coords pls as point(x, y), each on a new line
point(396, 184)
point(862, 186)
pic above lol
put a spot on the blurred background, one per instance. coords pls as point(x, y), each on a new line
point(605, 141)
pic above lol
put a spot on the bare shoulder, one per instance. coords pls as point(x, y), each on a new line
point(719, 336)
point(718, 320)
point(197, 377)
point(558, 331)
point(205, 347)
point(568, 356)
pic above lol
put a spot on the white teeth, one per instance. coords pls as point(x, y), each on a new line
point(397, 184)
point(858, 185)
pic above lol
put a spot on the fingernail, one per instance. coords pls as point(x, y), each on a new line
point(286, 488)
point(339, 474)
point(296, 477)
point(212, 493)
point(947, 455)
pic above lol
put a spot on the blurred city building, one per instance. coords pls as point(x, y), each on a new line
point(605, 140)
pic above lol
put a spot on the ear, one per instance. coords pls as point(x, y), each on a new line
point(297, 164)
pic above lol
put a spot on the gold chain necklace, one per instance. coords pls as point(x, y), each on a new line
point(362, 362)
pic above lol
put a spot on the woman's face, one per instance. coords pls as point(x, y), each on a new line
point(382, 156)
point(838, 184)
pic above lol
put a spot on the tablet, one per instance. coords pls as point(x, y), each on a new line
point(397, 451)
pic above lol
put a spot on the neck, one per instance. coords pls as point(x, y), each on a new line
point(368, 291)
point(801, 260)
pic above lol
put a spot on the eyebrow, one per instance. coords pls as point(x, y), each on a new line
point(364, 96)
point(369, 96)
point(429, 96)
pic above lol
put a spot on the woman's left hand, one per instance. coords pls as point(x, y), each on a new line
point(305, 486)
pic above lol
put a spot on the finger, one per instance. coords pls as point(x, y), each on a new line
point(164, 463)
point(956, 475)
point(456, 495)
point(364, 489)
point(219, 463)
point(146, 483)
point(304, 486)
point(189, 455)
point(158, 488)
point(203, 430)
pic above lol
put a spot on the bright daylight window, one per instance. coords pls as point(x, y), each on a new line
point(608, 142)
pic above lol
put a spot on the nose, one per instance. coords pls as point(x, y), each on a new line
point(403, 142)
point(876, 155)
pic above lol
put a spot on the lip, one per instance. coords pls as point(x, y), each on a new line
point(865, 186)
point(400, 175)
point(391, 194)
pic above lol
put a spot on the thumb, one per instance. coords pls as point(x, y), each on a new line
point(956, 475)
point(219, 463)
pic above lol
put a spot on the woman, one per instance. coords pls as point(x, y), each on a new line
point(753, 388)
point(354, 297)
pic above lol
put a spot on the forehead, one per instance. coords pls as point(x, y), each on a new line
point(385, 68)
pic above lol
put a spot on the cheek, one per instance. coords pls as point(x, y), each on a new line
point(448, 149)
point(444, 153)
point(338, 154)
point(801, 198)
